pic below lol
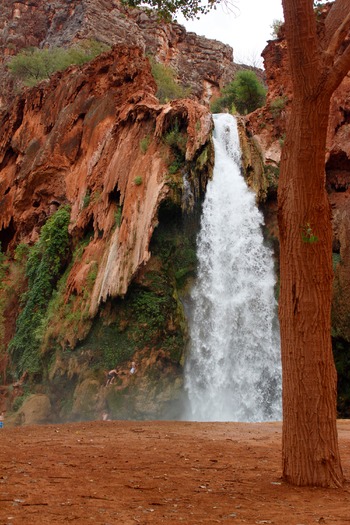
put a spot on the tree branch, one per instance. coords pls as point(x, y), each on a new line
point(339, 70)
point(338, 37)
point(335, 18)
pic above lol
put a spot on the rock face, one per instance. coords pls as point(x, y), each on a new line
point(94, 138)
point(35, 410)
point(131, 170)
point(204, 65)
point(70, 141)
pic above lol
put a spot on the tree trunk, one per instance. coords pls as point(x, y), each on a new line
point(310, 452)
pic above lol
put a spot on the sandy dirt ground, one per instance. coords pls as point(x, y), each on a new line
point(132, 472)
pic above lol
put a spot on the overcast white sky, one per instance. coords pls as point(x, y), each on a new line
point(246, 29)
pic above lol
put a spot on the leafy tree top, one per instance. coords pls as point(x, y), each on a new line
point(168, 8)
point(244, 94)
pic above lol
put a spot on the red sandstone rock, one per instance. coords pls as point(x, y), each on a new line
point(76, 140)
point(202, 64)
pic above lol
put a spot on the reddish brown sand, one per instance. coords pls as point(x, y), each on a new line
point(158, 472)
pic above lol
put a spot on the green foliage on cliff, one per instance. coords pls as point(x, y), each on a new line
point(168, 88)
point(3, 266)
point(67, 318)
point(150, 317)
point(139, 320)
point(144, 143)
point(275, 28)
point(175, 246)
point(244, 94)
point(3, 272)
point(150, 310)
point(112, 343)
point(138, 180)
point(271, 174)
point(176, 139)
point(277, 106)
point(32, 65)
point(45, 262)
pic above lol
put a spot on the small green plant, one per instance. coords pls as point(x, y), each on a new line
point(275, 28)
point(86, 200)
point(138, 181)
point(79, 249)
point(277, 105)
point(32, 65)
point(174, 167)
point(95, 197)
point(91, 277)
point(21, 252)
point(144, 143)
point(3, 266)
point(272, 173)
point(3, 286)
point(168, 88)
point(282, 140)
point(218, 105)
point(175, 138)
point(177, 141)
point(244, 94)
point(118, 216)
point(307, 234)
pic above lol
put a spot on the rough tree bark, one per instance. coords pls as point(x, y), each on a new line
point(318, 61)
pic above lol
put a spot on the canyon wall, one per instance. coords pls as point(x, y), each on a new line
point(95, 141)
point(203, 65)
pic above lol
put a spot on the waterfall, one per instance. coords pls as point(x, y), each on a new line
point(233, 370)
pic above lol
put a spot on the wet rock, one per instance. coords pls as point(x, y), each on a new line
point(35, 410)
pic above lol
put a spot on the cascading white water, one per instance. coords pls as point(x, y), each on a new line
point(233, 370)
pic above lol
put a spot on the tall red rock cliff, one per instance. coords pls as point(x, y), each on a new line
point(203, 65)
point(93, 138)
point(76, 140)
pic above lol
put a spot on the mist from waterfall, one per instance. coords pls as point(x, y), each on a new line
point(233, 369)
